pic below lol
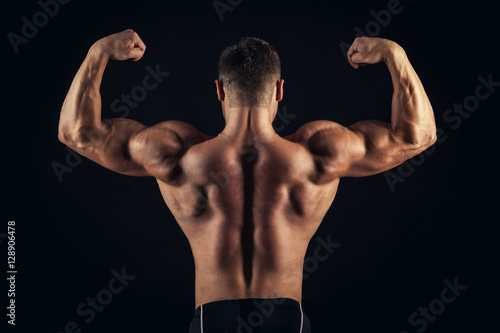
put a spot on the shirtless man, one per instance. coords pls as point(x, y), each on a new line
point(248, 200)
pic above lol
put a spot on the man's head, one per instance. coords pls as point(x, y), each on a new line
point(249, 73)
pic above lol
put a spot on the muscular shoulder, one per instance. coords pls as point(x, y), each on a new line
point(325, 140)
point(313, 129)
point(158, 148)
point(171, 137)
point(185, 131)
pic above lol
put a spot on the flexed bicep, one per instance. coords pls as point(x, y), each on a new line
point(371, 147)
point(362, 149)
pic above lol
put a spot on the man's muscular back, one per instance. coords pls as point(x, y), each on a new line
point(248, 200)
point(249, 209)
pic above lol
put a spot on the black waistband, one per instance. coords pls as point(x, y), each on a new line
point(250, 315)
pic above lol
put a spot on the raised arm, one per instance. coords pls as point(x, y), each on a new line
point(370, 147)
point(122, 145)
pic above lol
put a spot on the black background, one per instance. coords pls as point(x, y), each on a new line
point(397, 247)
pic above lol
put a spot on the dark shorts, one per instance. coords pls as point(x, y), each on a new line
point(251, 315)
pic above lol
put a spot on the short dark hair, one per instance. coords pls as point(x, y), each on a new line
point(249, 69)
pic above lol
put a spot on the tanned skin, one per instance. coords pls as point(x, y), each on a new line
point(248, 200)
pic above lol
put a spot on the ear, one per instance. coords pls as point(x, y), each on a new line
point(220, 90)
point(279, 90)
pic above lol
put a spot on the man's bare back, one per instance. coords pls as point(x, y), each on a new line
point(249, 209)
point(248, 200)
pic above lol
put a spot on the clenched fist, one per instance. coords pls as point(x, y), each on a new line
point(122, 46)
point(369, 50)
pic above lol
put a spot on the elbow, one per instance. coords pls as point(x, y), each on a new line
point(421, 142)
point(428, 137)
point(63, 133)
point(66, 136)
point(432, 138)
point(71, 139)
point(67, 140)
point(417, 139)
point(417, 136)
point(63, 136)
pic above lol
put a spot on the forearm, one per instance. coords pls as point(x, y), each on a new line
point(412, 116)
point(81, 110)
